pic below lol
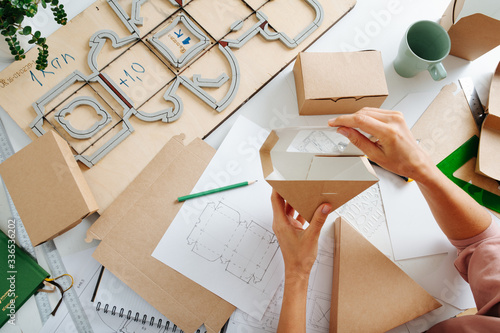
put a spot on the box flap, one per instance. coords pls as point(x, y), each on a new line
point(488, 155)
point(306, 166)
point(47, 187)
point(350, 74)
point(133, 225)
point(471, 36)
point(366, 280)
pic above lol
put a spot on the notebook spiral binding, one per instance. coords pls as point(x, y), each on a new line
point(136, 317)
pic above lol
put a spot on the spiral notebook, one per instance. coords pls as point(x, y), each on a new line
point(114, 298)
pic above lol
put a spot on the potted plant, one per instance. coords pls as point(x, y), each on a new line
point(12, 14)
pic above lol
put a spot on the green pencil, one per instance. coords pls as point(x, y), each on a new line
point(215, 190)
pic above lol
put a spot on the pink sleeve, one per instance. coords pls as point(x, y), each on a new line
point(479, 264)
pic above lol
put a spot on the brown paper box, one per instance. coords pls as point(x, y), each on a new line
point(133, 225)
point(307, 179)
point(488, 161)
point(370, 293)
point(342, 82)
point(471, 36)
point(47, 187)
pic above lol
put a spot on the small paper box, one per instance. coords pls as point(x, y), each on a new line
point(47, 188)
point(488, 162)
point(308, 166)
point(473, 35)
point(342, 82)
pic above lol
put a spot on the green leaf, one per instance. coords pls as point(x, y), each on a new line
point(27, 30)
point(37, 34)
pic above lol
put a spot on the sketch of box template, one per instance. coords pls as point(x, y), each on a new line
point(191, 52)
point(247, 252)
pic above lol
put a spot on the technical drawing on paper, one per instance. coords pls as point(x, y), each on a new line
point(318, 141)
point(246, 248)
point(318, 302)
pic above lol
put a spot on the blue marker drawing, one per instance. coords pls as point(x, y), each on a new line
point(179, 34)
point(186, 41)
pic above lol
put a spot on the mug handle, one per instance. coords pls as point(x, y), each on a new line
point(437, 71)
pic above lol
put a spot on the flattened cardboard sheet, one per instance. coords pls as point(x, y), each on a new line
point(308, 166)
point(488, 162)
point(366, 282)
point(339, 82)
point(47, 187)
point(133, 225)
point(471, 36)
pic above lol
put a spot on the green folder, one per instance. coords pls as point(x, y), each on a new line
point(20, 277)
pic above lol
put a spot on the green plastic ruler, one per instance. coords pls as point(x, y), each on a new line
point(455, 160)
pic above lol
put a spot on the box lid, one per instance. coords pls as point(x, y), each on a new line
point(350, 74)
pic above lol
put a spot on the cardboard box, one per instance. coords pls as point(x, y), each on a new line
point(335, 83)
point(366, 281)
point(488, 161)
point(308, 166)
point(135, 222)
point(47, 188)
point(471, 36)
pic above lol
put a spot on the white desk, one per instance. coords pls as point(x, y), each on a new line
point(372, 24)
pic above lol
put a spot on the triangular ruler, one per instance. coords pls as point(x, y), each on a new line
point(371, 293)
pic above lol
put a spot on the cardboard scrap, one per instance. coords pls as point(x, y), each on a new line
point(366, 282)
point(308, 179)
point(488, 161)
point(471, 36)
point(133, 225)
point(339, 82)
point(47, 188)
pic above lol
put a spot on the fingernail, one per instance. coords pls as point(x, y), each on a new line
point(331, 122)
point(343, 131)
point(326, 209)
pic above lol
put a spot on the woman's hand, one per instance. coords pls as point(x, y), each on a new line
point(299, 246)
point(392, 146)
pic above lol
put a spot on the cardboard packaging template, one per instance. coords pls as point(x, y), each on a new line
point(366, 282)
point(307, 179)
point(133, 225)
point(47, 188)
point(471, 36)
point(488, 161)
point(340, 82)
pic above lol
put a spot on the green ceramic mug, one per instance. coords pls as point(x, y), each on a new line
point(423, 47)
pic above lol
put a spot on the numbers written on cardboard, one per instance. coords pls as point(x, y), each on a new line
point(132, 74)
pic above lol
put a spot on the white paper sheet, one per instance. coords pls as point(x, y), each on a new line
point(414, 231)
point(224, 241)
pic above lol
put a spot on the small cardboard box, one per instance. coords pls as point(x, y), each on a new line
point(308, 166)
point(488, 161)
point(472, 35)
point(335, 83)
point(47, 188)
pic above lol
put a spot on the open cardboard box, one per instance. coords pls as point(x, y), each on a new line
point(308, 166)
point(488, 161)
point(341, 82)
point(47, 187)
point(473, 35)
